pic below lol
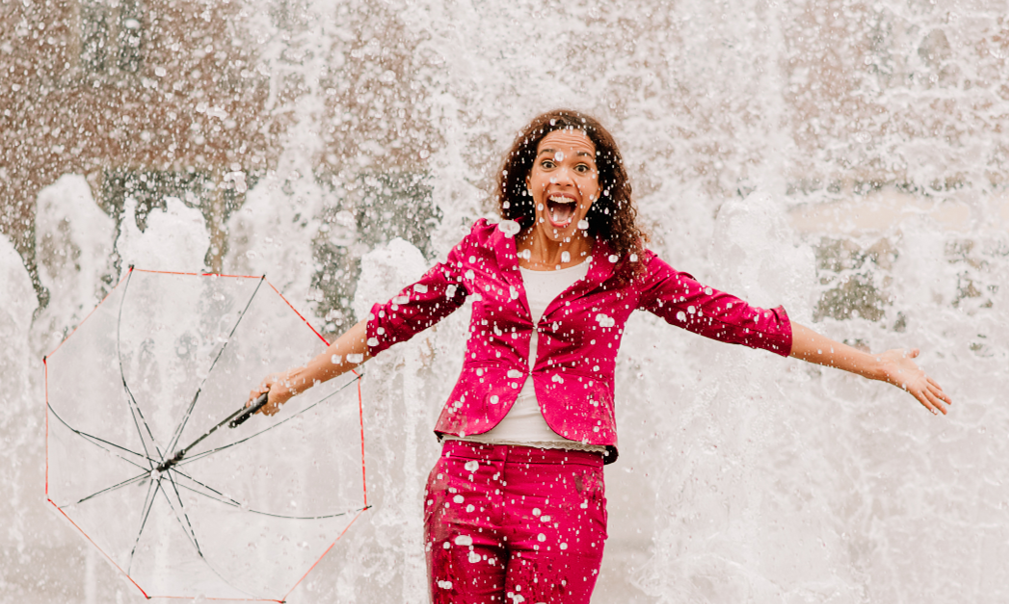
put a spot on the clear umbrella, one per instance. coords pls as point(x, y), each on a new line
point(141, 459)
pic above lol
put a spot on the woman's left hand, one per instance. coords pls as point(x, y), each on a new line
point(898, 369)
point(893, 366)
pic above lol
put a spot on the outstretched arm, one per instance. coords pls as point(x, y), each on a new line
point(347, 352)
point(893, 366)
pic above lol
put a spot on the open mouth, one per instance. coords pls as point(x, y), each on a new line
point(561, 210)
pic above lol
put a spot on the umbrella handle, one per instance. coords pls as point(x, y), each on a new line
point(247, 412)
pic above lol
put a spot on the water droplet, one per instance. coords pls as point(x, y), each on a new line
point(510, 228)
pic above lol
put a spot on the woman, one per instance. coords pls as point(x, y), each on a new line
point(515, 507)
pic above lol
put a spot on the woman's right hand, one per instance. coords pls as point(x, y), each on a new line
point(347, 352)
point(280, 388)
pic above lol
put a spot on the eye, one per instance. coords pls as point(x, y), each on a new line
point(583, 168)
point(547, 164)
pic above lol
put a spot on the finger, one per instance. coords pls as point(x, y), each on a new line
point(911, 354)
point(272, 406)
point(926, 403)
point(934, 402)
point(937, 402)
point(937, 389)
point(922, 396)
point(939, 394)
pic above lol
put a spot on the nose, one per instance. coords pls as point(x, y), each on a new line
point(562, 176)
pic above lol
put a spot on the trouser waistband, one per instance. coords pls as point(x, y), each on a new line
point(519, 454)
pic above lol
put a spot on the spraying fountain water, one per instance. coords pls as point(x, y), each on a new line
point(842, 159)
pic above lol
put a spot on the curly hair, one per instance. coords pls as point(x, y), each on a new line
point(612, 217)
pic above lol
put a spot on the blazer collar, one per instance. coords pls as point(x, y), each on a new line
point(503, 243)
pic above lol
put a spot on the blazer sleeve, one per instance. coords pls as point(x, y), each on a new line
point(681, 301)
point(418, 306)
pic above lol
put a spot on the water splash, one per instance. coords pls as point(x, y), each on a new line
point(838, 159)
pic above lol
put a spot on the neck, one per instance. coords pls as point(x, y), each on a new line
point(539, 252)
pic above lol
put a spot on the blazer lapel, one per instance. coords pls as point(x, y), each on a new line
point(600, 269)
point(506, 253)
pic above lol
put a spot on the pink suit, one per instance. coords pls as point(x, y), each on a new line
point(526, 524)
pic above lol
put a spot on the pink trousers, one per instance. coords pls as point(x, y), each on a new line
point(514, 524)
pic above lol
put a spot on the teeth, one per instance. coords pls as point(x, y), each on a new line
point(561, 210)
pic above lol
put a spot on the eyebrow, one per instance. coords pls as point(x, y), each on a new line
point(578, 154)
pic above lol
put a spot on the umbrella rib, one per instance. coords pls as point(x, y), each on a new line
point(95, 440)
point(233, 503)
point(325, 517)
point(187, 526)
point(148, 504)
point(191, 532)
point(188, 460)
point(192, 405)
point(134, 406)
point(124, 483)
point(222, 498)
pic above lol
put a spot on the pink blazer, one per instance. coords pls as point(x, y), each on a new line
point(579, 333)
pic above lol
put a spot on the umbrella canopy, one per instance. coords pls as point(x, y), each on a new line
point(134, 461)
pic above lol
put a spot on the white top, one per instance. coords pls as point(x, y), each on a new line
point(524, 424)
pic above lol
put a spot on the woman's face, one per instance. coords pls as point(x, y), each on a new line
point(564, 181)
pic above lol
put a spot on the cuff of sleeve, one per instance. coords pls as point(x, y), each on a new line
point(782, 344)
point(378, 337)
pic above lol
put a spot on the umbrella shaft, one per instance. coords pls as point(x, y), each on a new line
point(232, 420)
